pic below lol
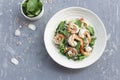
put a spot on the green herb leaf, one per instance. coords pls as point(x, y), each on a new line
point(81, 57)
point(37, 12)
point(92, 41)
point(24, 7)
point(91, 30)
point(62, 28)
point(77, 22)
point(61, 47)
point(31, 5)
point(78, 46)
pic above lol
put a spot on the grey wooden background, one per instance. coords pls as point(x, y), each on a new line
point(34, 61)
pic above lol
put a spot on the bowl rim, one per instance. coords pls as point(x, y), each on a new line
point(65, 9)
point(33, 18)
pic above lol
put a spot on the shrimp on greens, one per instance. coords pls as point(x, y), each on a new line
point(75, 38)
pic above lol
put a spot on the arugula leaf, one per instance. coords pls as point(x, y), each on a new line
point(77, 22)
point(91, 30)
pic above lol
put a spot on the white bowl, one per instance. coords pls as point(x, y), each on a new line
point(70, 13)
point(33, 18)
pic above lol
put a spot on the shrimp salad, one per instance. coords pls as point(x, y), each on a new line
point(75, 38)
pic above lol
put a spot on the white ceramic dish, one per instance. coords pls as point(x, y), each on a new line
point(66, 14)
point(34, 18)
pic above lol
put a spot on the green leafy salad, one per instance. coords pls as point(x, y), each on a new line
point(32, 8)
point(75, 38)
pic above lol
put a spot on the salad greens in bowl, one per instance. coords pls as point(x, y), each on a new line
point(75, 37)
point(32, 9)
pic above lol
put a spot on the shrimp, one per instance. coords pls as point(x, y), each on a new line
point(58, 38)
point(87, 51)
point(72, 39)
point(84, 52)
point(71, 51)
point(71, 42)
point(73, 28)
point(83, 33)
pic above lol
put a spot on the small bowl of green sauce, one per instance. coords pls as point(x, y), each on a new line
point(32, 9)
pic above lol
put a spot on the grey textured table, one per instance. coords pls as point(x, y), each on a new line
point(34, 61)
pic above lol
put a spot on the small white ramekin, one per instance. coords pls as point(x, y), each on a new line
point(33, 18)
